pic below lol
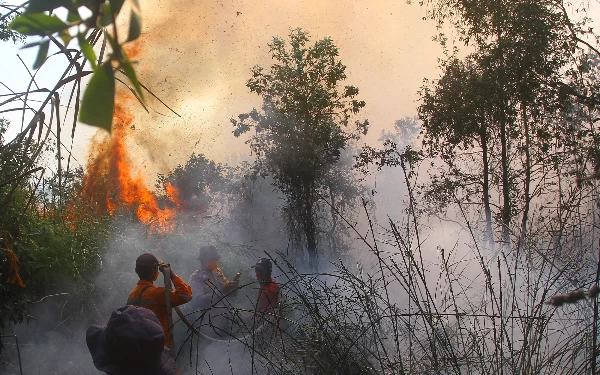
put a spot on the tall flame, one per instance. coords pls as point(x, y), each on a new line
point(112, 185)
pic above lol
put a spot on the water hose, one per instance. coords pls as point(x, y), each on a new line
point(167, 277)
point(185, 320)
point(195, 330)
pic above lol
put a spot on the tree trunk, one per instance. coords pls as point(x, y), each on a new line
point(309, 227)
point(501, 81)
point(527, 175)
point(310, 231)
point(334, 222)
point(311, 248)
point(489, 236)
point(505, 187)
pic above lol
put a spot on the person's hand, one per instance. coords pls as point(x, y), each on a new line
point(232, 285)
point(162, 266)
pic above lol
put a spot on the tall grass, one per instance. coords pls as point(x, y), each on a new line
point(468, 309)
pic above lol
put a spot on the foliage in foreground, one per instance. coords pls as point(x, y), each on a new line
point(56, 241)
point(464, 311)
point(39, 18)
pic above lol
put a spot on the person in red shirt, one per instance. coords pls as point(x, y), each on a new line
point(268, 290)
point(265, 320)
point(153, 298)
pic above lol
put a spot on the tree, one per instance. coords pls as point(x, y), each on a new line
point(454, 119)
point(304, 125)
point(199, 183)
point(499, 98)
point(5, 33)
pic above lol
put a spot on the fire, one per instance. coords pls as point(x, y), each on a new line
point(111, 184)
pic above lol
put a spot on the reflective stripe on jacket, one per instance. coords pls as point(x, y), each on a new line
point(145, 294)
point(207, 287)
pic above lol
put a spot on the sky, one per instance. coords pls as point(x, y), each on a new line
point(197, 57)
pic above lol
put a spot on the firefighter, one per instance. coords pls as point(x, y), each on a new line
point(145, 294)
point(211, 289)
point(265, 323)
point(131, 343)
point(268, 291)
point(209, 284)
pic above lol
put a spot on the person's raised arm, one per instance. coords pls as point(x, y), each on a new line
point(182, 293)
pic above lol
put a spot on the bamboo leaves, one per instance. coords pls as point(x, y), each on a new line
point(98, 101)
point(36, 6)
point(135, 21)
point(37, 24)
point(88, 51)
point(39, 19)
point(42, 54)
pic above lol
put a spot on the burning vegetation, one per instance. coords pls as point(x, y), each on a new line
point(112, 185)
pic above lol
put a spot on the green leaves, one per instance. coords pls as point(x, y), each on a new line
point(37, 6)
point(106, 15)
point(108, 12)
point(130, 73)
point(240, 127)
point(98, 101)
point(65, 36)
point(135, 22)
point(350, 91)
point(37, 24)
point(116, 5)
point(42, 54)
point(73, 16)
point(87, 50)
point(135, 27)
point(40, 19)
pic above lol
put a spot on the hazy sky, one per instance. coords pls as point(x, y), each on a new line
point(198, 55)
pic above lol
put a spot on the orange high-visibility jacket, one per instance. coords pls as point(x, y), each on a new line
point(268, 297)
point(145, 294)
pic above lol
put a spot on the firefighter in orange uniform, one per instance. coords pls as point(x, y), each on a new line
point(145, 294)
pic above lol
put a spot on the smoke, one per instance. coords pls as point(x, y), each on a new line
point(197, 58)
point(54, 341)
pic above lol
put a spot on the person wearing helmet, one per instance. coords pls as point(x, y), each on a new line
point(209, 284)
point(153, 298)
point(132, 343)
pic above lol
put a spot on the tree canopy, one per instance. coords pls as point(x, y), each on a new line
point(305, 123)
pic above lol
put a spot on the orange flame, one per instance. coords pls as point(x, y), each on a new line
point(112, 185)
